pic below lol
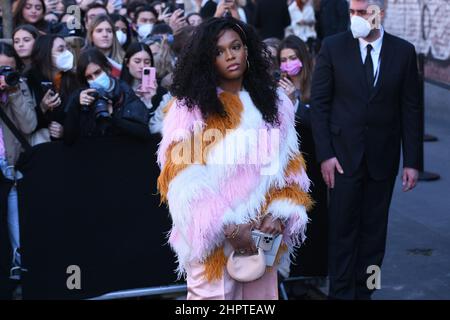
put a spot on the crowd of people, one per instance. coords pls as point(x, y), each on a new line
point(76, 69)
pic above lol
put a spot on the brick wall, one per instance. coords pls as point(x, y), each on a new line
point(426, 24)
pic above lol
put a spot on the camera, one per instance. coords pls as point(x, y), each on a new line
point(12, 77)
point(48, 85)
point(102, 99)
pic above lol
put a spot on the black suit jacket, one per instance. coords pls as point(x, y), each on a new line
point(354, 124)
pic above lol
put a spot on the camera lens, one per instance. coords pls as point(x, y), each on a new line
point(101, 108)
point(12, 79)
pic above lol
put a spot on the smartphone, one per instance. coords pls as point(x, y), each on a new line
point(179, 4)
point(47, 85)
point(148, 79)
point(277, 75)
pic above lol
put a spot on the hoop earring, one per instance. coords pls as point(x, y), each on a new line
point(248, 65)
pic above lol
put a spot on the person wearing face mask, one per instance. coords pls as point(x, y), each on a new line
point(17, 105)
point(144, 21)
point(51, 81)
point(365, 109)
point(296, 69)
point(123, 30)
point(103, 106)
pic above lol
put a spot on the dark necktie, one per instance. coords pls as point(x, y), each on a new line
point(368, 64)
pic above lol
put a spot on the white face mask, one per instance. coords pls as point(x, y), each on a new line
point(64, 61)
point(360, 27)
point(121, 37)
point(101, 82)
point(144, 30)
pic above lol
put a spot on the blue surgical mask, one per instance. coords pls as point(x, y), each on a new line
point(101, 82)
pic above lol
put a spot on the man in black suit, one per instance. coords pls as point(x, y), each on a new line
point(365, 106)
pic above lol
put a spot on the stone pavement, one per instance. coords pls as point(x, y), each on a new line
point(417, 261)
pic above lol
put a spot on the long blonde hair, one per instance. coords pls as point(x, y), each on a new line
point(117, 52)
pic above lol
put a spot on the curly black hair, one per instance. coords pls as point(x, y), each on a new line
point(195, 78)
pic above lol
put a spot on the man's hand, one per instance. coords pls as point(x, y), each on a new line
point(410, 177)
point(328, 167)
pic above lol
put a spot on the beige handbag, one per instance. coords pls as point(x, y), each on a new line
point(246, 268)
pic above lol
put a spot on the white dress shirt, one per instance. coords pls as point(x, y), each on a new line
point(375, 53)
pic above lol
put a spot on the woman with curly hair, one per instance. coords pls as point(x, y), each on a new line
point(221, 177)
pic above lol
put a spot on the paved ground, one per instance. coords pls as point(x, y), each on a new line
point(417, 262)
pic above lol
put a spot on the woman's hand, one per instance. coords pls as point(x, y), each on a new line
point(177, 20)
point(164, 15)
point(56, 130)
point(270, 225)
point(85, 98)
point(147, 95)
point(288, 88)
point(241, 239)
point(225, 6)
point(50, 101)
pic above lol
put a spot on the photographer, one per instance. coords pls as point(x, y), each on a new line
point(16, 105)
point(107, 107)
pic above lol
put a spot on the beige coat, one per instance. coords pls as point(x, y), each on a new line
point(20, 109)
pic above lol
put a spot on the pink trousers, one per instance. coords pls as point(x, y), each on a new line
point(226, 288)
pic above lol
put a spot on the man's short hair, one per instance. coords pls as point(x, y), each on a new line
point(145, 8)
point(379, 3)
point(95, 5)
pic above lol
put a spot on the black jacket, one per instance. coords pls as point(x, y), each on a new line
point(353, 124)
point(271, 18)
point(129, 117)
point(332, 18)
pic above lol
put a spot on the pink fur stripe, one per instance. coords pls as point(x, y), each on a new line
point(300, 178)
point(178, 119)
point(204, 231)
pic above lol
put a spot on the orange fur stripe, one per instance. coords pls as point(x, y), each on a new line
point(295, 165)
point(168, 172)
point(215, 264)
point(231, 119)
point(167, 107)
point(293, 193)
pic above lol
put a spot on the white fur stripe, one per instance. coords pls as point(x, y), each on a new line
point(285, 208)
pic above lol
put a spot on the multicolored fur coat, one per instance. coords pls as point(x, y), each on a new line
point(229, 169)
